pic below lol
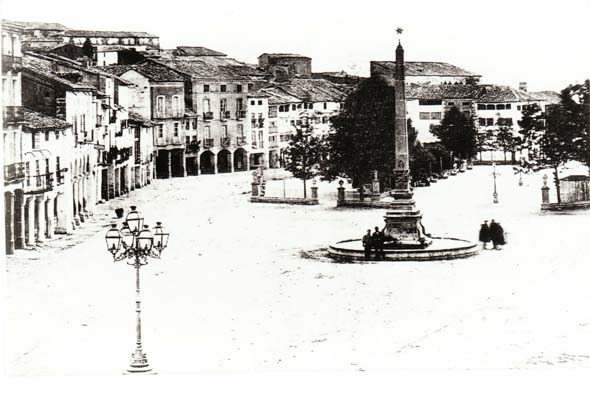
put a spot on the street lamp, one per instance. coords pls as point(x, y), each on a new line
point(134, 242)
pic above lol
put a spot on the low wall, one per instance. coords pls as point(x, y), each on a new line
point(285, 200)
point(565, 206)
point(367, 204)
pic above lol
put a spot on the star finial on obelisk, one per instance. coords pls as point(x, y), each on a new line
point(399, 31)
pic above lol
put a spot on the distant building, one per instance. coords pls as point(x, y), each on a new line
point(426, 72)
point(138, 40)
point(285, 65)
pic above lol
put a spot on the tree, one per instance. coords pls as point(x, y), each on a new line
point(441, 156)
point(576, 102)
point(304, 154)
point(88, 48)
point(506, 139)
point(363, 138)
point(421, 162)
point(531, 126)
point(457, 132)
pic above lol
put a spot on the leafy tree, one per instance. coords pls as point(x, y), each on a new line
point(304, 154)
point(88, 48)
point(531, 126)
point(363, 138)
point(457, 132)
point(421, 162)
point(441, 157)
point(506, 140)
point(576, 102)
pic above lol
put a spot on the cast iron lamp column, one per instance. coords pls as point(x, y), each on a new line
point(135, 243)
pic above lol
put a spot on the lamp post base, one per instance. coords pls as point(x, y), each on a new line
point(139, 365)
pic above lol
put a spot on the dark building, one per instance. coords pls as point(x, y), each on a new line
point(285, 65)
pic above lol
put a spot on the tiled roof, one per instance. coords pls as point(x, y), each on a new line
point(277, 96)
point(441, 91)
point(136, 117)
point(281, 55)
point(44, 68)
point(314, 90)
point(153, 71)
point(548, 96)
point(427, 69)
point(213, 68)
point(492, 93)
point(39, 121)
point(12, 26)
point(198, 51)
point(32, 25)
point(103, 33)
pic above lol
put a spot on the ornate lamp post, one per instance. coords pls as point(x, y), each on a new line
point(135, 243)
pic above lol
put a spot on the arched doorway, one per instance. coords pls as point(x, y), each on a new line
point(224, 164)
point(207, 161)
point(240, 160)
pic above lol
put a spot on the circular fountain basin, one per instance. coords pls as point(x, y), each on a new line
point(441, 248)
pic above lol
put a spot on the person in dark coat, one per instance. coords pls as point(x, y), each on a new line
point(484, 234)
point(378, 239)
point(367, 244)
point(496, 234)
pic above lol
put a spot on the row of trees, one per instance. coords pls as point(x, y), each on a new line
point(363, 138)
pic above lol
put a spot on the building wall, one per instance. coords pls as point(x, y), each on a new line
point(107, 58)
point(140, 96)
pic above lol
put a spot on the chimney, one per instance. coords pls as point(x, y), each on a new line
point(522, 86)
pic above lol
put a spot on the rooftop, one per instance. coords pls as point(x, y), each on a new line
point(283, 55)
point(44, 68)
point(212, 68)
point(136, 117)
point(198, 51)
point(277, 96)
point(313, 90)
point(492, 93)
point(38, 25)
point(153, 71)
point(104, 33)
point(549, 96)
point(427, 69)
point(484, 93)
point(39, 121)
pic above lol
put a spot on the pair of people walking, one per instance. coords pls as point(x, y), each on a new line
point(494, 232)
point(374, 241)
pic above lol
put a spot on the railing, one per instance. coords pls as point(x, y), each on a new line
point(207, 143)
point(9, 62)
point(13, 114)
point(273, 129)
point(14, 173)
point(225, 141)
point(224, 115)
point(241, 140)
point(240, 114)
point(192, 147)
point(43, 183)
point(207, 115)
point(260, 123)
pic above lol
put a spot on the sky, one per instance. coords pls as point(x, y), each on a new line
point(543, 43)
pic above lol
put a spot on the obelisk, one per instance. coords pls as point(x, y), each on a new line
point(402, 220)
point(401, 170)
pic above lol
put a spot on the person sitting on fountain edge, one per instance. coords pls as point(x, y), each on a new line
point(367, 244)
point(378, 239)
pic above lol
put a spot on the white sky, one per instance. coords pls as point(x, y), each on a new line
point(545, 43)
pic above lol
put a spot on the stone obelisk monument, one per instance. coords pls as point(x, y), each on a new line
point(403, 221)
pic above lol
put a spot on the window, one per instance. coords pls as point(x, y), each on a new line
point(324, 119)
point(187, 125)
point(175, 106)
point(250, 87)
point(481, 107)
point(207, 131)
point(518, 107)
point(252, 102)
point(325, 106)
point(430, 102)
point(176, 127)
point(83, 123)
point(259, 102)
point(239, 103)
point(260, 139)
point(240, 130)
point(482, 121)
point(34, 141)
point(489, 122)
point(57, 133)
point(160, 105)
point(194, 121)
point(435, 115)
point(508, 106)
point(424, 116)
point(300, 105)
point(224, 131)
point(293, 107)
point(160, 131)
point(465, 104)
point(206, 106)
point(450, 104)
point(223, 105)
point(500, 107)
point(238, 88)
point(223, 88)
point(47, 135)
point(504, 121)
point(272, 111)
point(490, 107)
point(292, 122)
point(205, 88)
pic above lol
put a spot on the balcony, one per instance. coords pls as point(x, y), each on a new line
point(241, 114)
point(13, 114)
point(42, 184)
point(11, 63)
point(241, 140)
point(273, 144)
point(224, 115)
point(207, 143)
point(225, 141)
point(261, 123)
point(273, 129)
point(14, 173)
point(207, 115)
